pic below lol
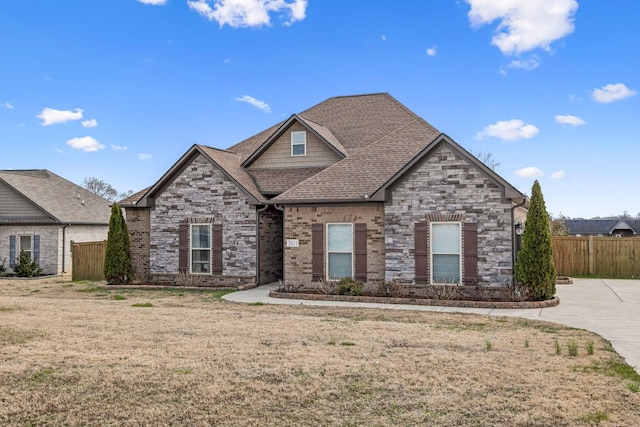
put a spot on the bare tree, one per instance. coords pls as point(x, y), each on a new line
point(104, 189)
point(487, 158)
point(558, 225)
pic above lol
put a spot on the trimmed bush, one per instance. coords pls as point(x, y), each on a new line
point(534, 267)
point(117, 263)
point(348, 286)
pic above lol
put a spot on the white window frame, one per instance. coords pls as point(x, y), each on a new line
point(191, 249)
point(431, 252)
point(304, 143)
point(20, 248)
point(327, 252)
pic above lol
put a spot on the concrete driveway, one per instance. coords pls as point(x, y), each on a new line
point(608, 307)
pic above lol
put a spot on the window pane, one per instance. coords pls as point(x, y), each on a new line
point(446, 268)
point(200, 261)
point(339, 266)
point(445, 238)
point(298, 149)
point(200, 236)
point(340, 238)
point(25, 243)
point(298, 137)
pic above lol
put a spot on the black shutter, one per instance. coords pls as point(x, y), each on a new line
point(421, 254)
point(12, 250)
point(36, 248)
point(361, 252)
point(317, 252)
point(183, 247)
point(216, 248)
point(470, 251)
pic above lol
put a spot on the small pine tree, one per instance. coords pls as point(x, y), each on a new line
point(534, 266)
point(25, 266)
point(117, 263)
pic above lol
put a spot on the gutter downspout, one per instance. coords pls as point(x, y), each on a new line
point(64, 244)
point(258, 211)
point(513, 237)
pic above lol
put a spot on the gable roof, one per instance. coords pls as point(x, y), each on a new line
point(227, 162)
point(377, 138)
point(40, 196)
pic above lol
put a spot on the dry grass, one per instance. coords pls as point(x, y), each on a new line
point(84, 358)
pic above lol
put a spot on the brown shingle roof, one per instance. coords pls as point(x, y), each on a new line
point(62, 200)
point(275, 181)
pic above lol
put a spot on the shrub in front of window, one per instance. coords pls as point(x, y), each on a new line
point(3, 269)
point(117, 262)
point(534, 266)
point(25, 266)
point(348, 286)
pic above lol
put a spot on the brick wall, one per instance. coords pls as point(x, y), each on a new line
point(203, 191)
point(48, 245)
point(445, 184)
point(138, 224)
point(297, 225)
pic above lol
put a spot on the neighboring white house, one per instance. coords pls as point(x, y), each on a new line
point(43, 213)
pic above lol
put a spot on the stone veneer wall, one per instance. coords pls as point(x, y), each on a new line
point(270, 245)
point(297, 225)
point(203, 191)
point(445, 184)
point(138, 224)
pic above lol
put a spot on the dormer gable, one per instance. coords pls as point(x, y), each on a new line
point(298, 143)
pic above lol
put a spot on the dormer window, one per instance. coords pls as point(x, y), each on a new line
point(299, 143)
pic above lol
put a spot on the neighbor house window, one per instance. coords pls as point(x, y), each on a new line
point(339, 251)
point(201, 248)
point(299, 143)
point(26, 245)
point(445, 252)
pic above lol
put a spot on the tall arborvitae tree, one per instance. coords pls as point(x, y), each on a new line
point(534, 266)
point(117, 263)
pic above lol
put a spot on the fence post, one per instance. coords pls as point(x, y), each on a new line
point(592, 262)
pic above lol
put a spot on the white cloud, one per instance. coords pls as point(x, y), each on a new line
point(89, 123)
point(50, 116)
point(568, 119)
point(249, 13)
point(558, 175)
point(8, 105)
point(86, 143)
point(255, 102)
point(144, 156)
point(509, 130)
point(153, 2)
point(525, 64)
point(524, 25)
point(432, 51)
point(119, 147)
point(529, 172)
point(612, 92)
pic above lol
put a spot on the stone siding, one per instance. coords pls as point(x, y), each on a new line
point(270, 245)
point(297, 225)
point(203, 191)
point(446, 185)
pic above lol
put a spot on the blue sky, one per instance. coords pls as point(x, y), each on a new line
point(120, 89)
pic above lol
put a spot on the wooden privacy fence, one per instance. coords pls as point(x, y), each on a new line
point(88, 260)
point(597, 256)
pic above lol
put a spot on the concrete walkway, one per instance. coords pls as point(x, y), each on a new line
point(608, 307)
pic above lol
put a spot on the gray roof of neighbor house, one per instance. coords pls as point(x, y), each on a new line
point(602, 226)
point(377, 138)
point(40, 196)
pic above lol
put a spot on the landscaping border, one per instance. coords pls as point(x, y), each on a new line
point(419, 301)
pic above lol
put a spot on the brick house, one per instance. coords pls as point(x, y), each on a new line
point(42, 213)
point(355, 186)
